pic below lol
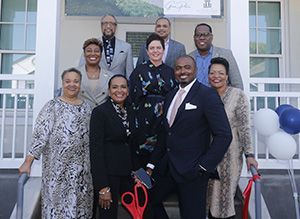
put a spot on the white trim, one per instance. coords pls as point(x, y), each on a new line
point(48, 13)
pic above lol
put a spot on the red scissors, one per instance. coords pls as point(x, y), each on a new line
point(134, 206)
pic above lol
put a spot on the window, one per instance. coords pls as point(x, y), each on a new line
point(265, 43)
point(17, 48)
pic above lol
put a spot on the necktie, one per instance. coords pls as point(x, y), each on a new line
point(109, 52)
point(176, 105)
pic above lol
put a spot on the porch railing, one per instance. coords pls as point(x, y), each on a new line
point(270, 93)
point(16, 110)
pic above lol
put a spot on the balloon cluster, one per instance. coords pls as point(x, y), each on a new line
point(278, 126)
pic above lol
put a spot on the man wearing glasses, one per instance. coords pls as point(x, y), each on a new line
point(205, 51)
point(117, 56)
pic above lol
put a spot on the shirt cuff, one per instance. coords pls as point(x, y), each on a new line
point(150, 165)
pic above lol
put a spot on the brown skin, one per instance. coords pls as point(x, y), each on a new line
point(71, 87)
point(203, 43)
point(108, 26)
point(218, 79)
point(118, 91)
point(163, 28)
point(92, 55)
point(185, 70)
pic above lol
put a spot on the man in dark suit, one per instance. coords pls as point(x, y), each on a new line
point(191, 143)
point(173, 49)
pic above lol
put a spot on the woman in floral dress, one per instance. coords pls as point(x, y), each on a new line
point(149, 84)
point(61, 136)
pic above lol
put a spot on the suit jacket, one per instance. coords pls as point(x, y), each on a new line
point(234, 74)
point(111, 150)
point(122, 62)
point(175, 50)
point(200, 134)
point(99, 96)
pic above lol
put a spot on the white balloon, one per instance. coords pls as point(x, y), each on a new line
point(282, 146)
point(266, 121)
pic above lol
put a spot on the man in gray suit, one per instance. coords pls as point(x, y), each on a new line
point(117, 54)
point(173, 49)
point(206, 51)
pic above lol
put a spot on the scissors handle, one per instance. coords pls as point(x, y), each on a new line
point(131, 205)
point(140, 207)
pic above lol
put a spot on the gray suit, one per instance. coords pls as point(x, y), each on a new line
point(234, 76)
point(99, 94)
point(175, 50)
point(122, 62)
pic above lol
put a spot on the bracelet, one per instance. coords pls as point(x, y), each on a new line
point(103, 193)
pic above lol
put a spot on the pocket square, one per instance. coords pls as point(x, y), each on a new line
point(189, 106)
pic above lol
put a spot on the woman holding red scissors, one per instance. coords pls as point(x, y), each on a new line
point(112, 156)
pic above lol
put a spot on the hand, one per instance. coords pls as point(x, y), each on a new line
point(251, 162)
point(149, 171)
point(26, 166)
point(105, 198)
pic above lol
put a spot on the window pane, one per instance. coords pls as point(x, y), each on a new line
point(252, 14)
point(32, 8)
point(21, 64)
point(269, 14)
point(252, 41)
point(269, 41)
point(12, 37)
point(13, 11)
point(264, 67)
point(30, 37)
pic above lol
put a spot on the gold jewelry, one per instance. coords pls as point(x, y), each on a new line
point(103, 193)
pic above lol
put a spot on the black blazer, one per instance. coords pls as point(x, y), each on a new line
point(200, 134)
point(111, 152)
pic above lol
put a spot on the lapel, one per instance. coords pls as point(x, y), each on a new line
point(167, 104)
point(215, 52)
point(186, 100)
point(118, 49)
point(170, 50)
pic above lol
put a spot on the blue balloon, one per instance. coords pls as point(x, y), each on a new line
point(281, 108)
point(290, 121)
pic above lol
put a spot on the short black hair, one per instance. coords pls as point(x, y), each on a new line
point(163, 18)
point(203, 24)
point(219, 60)
point(71, 70)
point(117, 76)
point(154, 37)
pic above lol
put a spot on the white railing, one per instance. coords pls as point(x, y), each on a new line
point(15, 118)
point(270, 93)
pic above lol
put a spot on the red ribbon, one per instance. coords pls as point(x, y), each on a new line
point(246, 195)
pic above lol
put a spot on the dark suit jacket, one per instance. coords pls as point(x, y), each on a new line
point(175, 50)
point(110, 148)
point(200, 134)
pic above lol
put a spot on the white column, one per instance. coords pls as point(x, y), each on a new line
point(48, 16)
point(238, 24)
point(238, 17)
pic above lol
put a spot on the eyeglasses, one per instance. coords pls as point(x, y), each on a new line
point(106, 23)
point(204, 34)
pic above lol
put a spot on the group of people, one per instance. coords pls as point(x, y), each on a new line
point(184, 118)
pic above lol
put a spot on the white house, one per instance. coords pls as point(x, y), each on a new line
point(40, 38)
